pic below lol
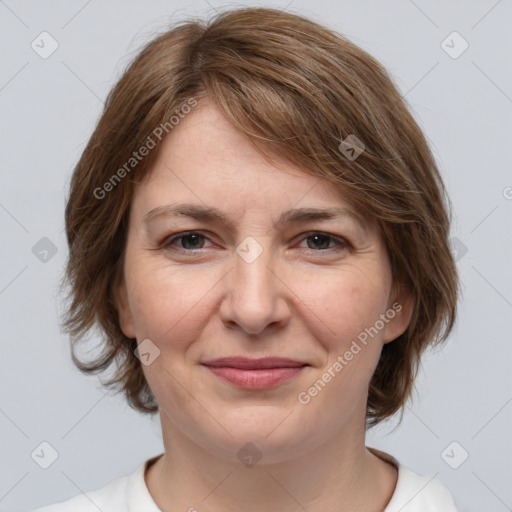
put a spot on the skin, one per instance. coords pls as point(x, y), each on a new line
point(302, 298)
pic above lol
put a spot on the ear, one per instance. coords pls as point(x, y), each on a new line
point(399, 312)
point(123, 308)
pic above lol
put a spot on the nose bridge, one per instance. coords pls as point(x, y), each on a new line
point(252, 265)
point(254, 295)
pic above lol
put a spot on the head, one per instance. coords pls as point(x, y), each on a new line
point(249, 114)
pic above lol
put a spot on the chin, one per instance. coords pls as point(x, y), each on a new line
point(262, 430)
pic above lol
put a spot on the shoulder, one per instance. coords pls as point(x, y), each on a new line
point(417, 493)
point(125, 493)
point(112, 497)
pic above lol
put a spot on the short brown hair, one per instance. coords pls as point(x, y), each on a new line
point(296, 89)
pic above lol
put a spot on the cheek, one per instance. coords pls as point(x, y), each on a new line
point(169, 305)
point(347, 308)
point(342, 305)
point(171, 308)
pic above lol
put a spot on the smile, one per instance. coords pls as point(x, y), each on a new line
point(256, 379)
point(255, 373)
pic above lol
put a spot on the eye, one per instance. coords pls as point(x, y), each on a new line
point(193, 241)
point(321, 241)
point(190, 241)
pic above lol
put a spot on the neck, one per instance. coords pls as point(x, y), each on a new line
point(339, 475)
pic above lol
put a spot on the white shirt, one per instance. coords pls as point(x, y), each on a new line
point(413, 493)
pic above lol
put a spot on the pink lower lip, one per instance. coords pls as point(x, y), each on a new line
point(255, 379)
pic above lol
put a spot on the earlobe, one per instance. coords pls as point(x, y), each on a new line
point(399, 313)
point(123, 308)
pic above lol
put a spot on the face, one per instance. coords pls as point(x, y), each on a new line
point(254, 284)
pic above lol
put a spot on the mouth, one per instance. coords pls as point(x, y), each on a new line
point(249, 373)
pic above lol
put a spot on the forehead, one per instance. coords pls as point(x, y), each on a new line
point(213, 168)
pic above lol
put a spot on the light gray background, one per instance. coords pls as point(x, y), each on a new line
point(48, 110)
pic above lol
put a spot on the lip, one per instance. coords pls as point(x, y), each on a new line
point(247, 363)
point(263, 373)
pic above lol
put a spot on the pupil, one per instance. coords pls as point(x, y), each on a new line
point(316, 237)
point(194, 238)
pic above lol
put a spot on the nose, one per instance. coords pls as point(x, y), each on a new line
point(256, 297)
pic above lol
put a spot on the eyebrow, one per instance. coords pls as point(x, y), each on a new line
point(211, 214)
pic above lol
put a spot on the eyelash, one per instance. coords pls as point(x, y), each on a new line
point(167, 244)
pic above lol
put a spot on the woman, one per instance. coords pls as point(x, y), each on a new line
point(258, 226)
